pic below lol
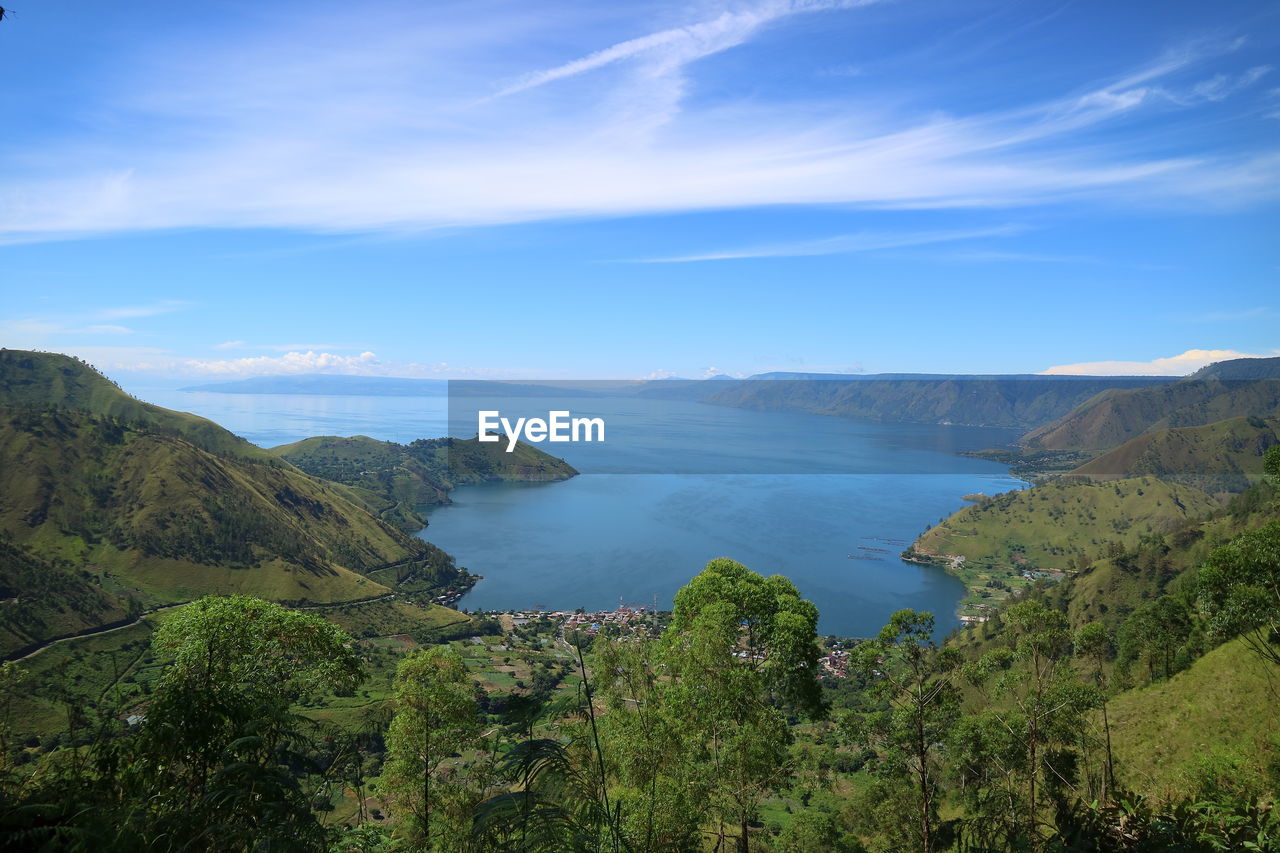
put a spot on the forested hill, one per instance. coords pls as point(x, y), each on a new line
point(423, 471)
point(45, 380)
point(1020, 401)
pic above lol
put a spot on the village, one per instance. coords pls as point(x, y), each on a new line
point(628, 620)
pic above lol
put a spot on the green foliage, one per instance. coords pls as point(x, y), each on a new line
point(1240, 589)
point(48, 598)
point(813, 832)
point(1030, 735)
point(1162, 633)
point(912, 677)
point(214, 764)
point(435, 716)
point(1271, 462)
point(726, 609)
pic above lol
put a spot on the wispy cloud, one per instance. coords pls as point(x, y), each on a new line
point(844, 244)
point(1019, 257)
point(674, 48)
point(1229, 316)
point(244, 345)
point(125, 312)
point(1175, 365)
point(389, 125)
point(28, 328)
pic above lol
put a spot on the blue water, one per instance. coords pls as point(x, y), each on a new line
point(674, 485)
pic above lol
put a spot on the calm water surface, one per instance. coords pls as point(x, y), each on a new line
point(675, 485)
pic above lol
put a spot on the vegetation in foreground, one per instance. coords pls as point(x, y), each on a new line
point(717, 733)
point(1075, 717)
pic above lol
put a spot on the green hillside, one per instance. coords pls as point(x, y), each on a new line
point(1220, 716)
point(1115, 416)
point(1220, 457)
point(1052, 528)
point(42, 598)
point(44, 380)
point(422, 472)
point(152, 514)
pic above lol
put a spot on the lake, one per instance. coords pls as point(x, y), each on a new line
point(677, 483)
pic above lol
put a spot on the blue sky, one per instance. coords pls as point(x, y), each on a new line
point(629, 189)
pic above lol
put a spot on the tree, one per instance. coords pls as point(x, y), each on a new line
point(810, 831)
point(740, 647)
point(213, 766)
point(1240, 589)
point(1156, 632)
point(1271, 462)
point(660, 790)
point(907, 671)
point(1042, 712)
point(436, 716)
point(1095, 646)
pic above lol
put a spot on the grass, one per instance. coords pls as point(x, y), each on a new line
point(1228, 701)
point(1050, 528)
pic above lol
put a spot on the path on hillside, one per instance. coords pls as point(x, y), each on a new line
point(29, 652)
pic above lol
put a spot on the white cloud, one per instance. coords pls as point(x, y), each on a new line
point(364, 364)
point(1176, 365)
point(386, 124)
point(844, 244)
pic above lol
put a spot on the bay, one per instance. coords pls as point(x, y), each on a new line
point(677, 484)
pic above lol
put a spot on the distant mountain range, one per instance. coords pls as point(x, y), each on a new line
point(328, 385)
point(1019, 401)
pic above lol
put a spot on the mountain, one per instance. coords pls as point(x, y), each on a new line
point(169, 521)
point(1220, 457)
point(108, 505)
point(1117, 415)
point(45, 380)
point(424, 471)
point(1017, 401)
point(1240, 369)
point(324, 384)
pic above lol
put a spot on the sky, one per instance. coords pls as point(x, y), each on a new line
point(493, 188)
